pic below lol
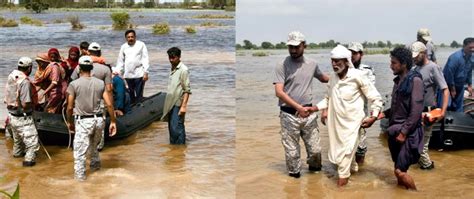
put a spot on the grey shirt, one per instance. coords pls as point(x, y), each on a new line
point(432, 79)
point(88, 93)
point(99, 71)
point(297, 77)
point(25, 96)
point(430, 50)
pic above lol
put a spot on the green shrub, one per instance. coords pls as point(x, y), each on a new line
point(38, 7)
point(31, 21)
point(191, 29)
point(259, 54)
point(161, 29)
point(120, 20)
point(58, 21)
point(8, 22)
point(210, 24)
point(383, 51)
point(75, 22)
point(209, 16)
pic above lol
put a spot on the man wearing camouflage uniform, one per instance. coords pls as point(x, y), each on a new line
point(368, 72)
point(293, 87)
point(84, 98)
point(20, 101)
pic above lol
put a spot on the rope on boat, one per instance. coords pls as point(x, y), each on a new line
point(69, 132)
point(44, 148)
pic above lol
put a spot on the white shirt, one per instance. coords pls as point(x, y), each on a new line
point(345, 104)
point(134, 59)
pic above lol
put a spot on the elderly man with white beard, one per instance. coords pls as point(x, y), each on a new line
point(343, 108)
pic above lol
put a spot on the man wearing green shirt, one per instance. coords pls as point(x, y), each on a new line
point(177, 97)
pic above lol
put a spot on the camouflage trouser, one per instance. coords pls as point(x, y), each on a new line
point(25, 137)
point(87, 137)
point(425, 160)
point(102, 139)
point(292, 127)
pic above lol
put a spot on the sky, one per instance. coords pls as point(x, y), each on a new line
point(354, 20)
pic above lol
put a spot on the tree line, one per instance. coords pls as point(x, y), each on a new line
point(328, 44)
point(213, 4)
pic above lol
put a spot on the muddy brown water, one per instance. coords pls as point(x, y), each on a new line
point(261, 170)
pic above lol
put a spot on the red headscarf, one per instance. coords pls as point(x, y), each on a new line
point(73, 62)
point(53, 51)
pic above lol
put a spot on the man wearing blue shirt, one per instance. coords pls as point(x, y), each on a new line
point(458, 72)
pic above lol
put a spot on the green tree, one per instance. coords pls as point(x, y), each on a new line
point(380, 44)
point(248, 44)
point(389, 44)
point(267, 45)
point(442, 45)
point(281, 45)
point(454, 44)
point(238, 46)
point(37, 7)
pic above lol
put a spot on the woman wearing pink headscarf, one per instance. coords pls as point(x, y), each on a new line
point(71, 62)
point(50, 77)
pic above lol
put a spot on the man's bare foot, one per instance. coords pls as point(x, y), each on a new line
point(405, 180)
point(342, 182)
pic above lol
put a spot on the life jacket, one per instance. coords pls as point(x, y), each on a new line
point(12, 91)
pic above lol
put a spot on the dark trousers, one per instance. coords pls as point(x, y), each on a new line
point(135, 86)
point(406, 153)
point(176, 127)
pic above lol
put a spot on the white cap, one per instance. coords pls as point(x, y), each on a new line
point(85, 60)
point(25, 62)
point(94, 46)
point(356, 46)
point(341, 52)
point(416, 48)
point(424, 33)
point(295, 38)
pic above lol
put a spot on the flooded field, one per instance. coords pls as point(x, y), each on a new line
point(261, 170)
point(143, 165)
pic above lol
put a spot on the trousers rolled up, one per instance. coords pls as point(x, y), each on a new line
point(86, 139)
point(25, 137)
point(292, 128)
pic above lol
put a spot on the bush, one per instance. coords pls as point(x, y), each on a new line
point(191, 29)
point(120, 20)
point(210, 24)
point(38, 7)
point(161, 29)
point(58, 21)
point(259, 54)
point(31, 21)
point(75, 22)
point(8, 22)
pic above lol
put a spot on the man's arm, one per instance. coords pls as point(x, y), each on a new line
point(280, 93)
point(416, 104)
point(120, 62)
point(184, 78)
point(448, 72)
point(69, 112)
point(375, 99)
point(110, 108)
point(145, 62)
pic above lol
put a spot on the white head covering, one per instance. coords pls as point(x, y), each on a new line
point(341, 52)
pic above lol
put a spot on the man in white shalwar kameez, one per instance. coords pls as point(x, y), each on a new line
point(344, 104)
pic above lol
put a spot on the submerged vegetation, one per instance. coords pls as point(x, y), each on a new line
point(161, 29)
point(75, 22)
point(8, 22)
point(120, 20)
point(190, 29)
point(15, 195)
point(31, 21)
point(210, 24)
point(260, 54)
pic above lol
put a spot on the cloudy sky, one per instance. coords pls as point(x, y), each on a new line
point(354, 20)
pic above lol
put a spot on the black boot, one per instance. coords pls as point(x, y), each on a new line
point(315, 163)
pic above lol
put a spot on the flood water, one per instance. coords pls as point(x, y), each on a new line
point(261, 170)
point(143, 165)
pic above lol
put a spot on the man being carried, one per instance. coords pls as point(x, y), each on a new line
point(348, 90)
point(293, 87)
point(84, 95)
point(433, 80)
